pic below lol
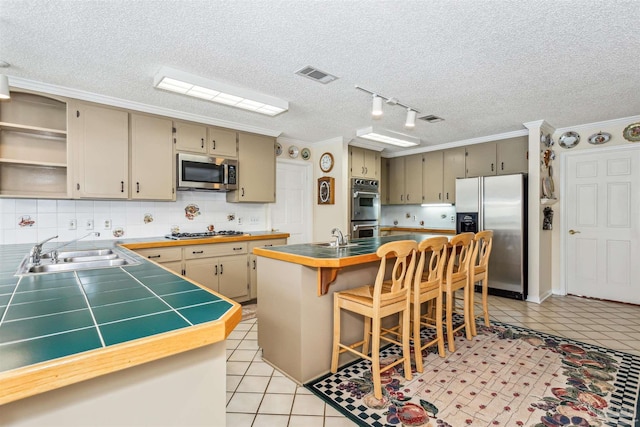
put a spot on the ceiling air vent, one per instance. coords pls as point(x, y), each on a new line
point(431, 118)
point(316, 75)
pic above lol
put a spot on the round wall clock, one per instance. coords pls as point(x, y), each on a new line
point(326, 162)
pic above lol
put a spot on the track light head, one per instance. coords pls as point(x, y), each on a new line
point(411, 119)
point(376, 109)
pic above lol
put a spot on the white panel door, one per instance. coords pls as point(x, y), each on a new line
point(291, 213)
point(603, 225)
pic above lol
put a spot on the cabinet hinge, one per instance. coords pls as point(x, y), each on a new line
point(174, 140)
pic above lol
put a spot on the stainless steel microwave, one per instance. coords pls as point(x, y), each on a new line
point(199, 172)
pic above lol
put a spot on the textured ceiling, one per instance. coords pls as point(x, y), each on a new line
point(485, 66)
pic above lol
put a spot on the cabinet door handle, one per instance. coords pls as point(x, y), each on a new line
point(214, 144)
point(77, 186)
point(237, 249)
point(439, 196)
point(184, 272)
point(201, 142)
point(137, 187)
point(242, 191)
point(221, 269)
point(447, 196)
point(122, 186)
point(216, 270)
point(153, 256)
point(402, 197)
point(254, 264)
point(268, 246)
point(491, 167)
point(366, 170)
point(407, 197)
point(197, 252)
point(502, 166)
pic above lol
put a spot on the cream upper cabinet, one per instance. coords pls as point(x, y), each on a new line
point(481, 159)
point(221, 142)
point(256, 169)
point(432, 177)
point(453, 168)
point(100, 140)
point(396, 181)
point(197, 138)
point(364, 163)
point(384, 181)
point(152, 161)
point(512, 155)
point(413, 179)
point(190, 137)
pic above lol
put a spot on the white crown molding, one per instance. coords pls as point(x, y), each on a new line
point(292, 141)
point(622, 121)
point(18, 82)
point(372, 146)
point(462, 143)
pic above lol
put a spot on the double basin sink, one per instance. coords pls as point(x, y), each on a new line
point(76, 260)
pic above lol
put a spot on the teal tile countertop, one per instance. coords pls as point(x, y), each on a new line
point(55, 315)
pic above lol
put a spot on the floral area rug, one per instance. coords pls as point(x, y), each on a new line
point(507, 376)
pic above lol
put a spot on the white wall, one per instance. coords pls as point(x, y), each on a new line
point(52, 217)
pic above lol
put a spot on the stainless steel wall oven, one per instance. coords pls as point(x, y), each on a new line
point(365, 207)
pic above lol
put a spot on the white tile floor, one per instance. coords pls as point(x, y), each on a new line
point(258, 395)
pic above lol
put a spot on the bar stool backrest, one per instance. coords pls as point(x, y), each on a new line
point(435, 250)
point(461, 247)
point(483, 244)
point(404, 252)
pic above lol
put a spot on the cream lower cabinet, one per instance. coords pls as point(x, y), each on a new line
point(221, 267)
point(256, 170)
point(253, 270)
point(170, 258)
point(99, 137)
point(152, 166)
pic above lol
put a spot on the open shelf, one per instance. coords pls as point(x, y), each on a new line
point(33, 146)
point(548, 202)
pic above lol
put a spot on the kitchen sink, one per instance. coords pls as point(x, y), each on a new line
point(79, 265)
point(76, 260)
point(333, 245)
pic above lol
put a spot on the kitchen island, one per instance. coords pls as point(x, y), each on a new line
point(128, 345)
point(295, 293)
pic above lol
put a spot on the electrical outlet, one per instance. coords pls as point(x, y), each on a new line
point(73, 224)
point(89, 224)
point(453, 218)
point(107, 224)
point(239, 220)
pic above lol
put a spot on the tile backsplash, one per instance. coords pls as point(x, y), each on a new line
point(31, 220)
point(439, 217)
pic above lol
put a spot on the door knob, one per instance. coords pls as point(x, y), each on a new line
point(573, 232)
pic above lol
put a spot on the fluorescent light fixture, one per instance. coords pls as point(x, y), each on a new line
point(387, 137)
point(411, 119)
point(184, 83)
point(4, 87)
point(435, 205)
point(376, 109)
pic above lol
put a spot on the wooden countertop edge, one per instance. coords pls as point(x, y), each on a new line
point(208, 240)
point(419, 230)
point(316, 262)
point(46, 376)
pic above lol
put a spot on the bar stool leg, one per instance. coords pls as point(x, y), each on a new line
point(375, 359)
point(336, 336)
point(449, 320)
point(472, 309)
point(406, 344)
point(467, 314)
point(439, 332)
point(417, 343)
point(485, 301)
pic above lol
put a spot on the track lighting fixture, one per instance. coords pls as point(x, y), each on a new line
point(411, 119)
point(376, 110)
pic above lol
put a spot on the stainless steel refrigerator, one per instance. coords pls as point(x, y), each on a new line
point(498, 203)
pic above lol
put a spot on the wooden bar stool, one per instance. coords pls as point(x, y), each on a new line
point(374, 304)
point(483, 241)
point(458, 278)
point(427, 287)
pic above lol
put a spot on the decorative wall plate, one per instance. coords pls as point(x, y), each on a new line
point(569, 139)
point(599, 138)
point(632, 132)
point(545, 139)
point(278, 148)
point(293, 151)
point(305, 154)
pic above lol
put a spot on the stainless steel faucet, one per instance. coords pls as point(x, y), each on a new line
point(36, 252)
point(340, 241)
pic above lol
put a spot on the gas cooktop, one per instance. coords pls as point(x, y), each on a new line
point(183, 236)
